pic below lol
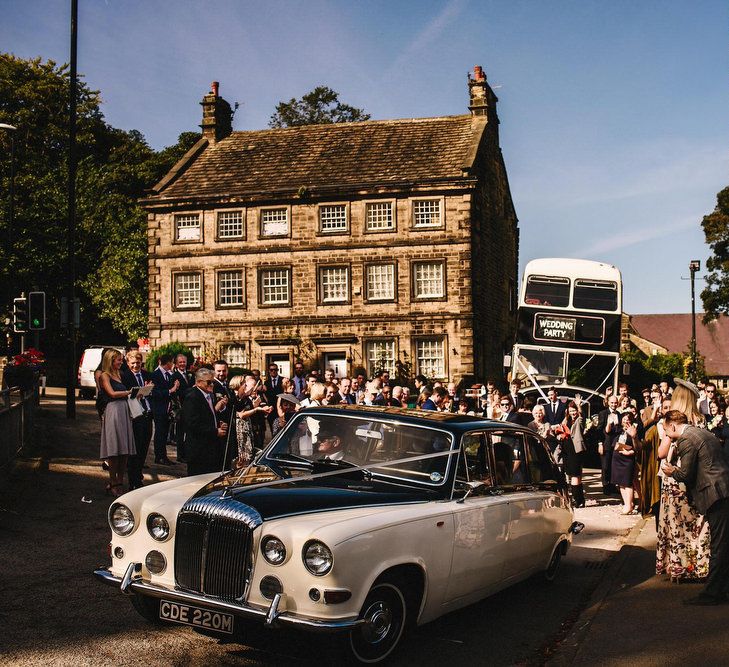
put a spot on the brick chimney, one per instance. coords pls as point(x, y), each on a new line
point(217, 116)
point(482, 98)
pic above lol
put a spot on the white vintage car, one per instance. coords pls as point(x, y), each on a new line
point(356, 520)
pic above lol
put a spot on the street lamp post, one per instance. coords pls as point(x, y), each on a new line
point(694, 266)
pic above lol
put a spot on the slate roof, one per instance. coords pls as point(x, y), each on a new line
point(320, 156)
point(673, 331)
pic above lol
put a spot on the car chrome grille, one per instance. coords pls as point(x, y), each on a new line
point(212, 547)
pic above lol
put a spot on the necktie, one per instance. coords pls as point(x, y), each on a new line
point(212, 408)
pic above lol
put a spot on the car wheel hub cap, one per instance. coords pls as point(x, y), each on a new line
point(378, 621)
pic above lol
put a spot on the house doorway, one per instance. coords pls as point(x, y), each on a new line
point(283, 361)
point(337, 361)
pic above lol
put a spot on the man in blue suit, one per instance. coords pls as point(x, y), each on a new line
point(165, 386)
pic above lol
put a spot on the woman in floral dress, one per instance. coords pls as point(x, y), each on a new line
point(682, 550)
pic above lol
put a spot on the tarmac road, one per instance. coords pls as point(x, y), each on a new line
point(53, 611)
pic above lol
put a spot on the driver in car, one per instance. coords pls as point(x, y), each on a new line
point(330, 446)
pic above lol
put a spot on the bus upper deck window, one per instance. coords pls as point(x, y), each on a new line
point(595, 295)
point(547, 291)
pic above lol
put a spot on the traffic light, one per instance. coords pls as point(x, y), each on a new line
point(20, 315)
point(36, 311)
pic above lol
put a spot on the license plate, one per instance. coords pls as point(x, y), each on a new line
point(175, 612)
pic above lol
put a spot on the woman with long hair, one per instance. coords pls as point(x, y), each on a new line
point(683, 540)
point(117, 435)
point(247, 404)
point(570, 434)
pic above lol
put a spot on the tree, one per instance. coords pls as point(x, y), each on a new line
point(320, 106)
point(115, 168)
point(715, 296)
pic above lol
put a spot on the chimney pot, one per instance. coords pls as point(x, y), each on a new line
point(478, 73)
point(214, 86)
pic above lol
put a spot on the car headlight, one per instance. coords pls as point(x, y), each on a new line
point(273, 550)
point(121, 519)
point(317, 558)
point(158, 527)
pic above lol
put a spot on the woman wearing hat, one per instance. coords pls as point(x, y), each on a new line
point(682, 550)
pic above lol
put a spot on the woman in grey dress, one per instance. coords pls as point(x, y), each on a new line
point(117, 436)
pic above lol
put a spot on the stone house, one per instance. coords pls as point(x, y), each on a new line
point(379, 244)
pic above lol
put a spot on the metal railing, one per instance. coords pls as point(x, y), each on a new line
point(17, 419)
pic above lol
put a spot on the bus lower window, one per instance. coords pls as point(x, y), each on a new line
point(547, 291)
point(595, 295)
point(543, 365)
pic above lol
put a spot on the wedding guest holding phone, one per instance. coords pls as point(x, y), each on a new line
point(117, 435)
point(570, 433)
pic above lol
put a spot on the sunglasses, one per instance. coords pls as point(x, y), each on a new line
point(505, 405)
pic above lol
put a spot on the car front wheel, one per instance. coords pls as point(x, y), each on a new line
point(384, 614)
point(551, 572)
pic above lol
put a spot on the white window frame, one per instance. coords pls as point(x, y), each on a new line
point(369, 279)
point(426, 361)
point(177, 289)
point(263, 212)
point(264, 274)
point(372, 206)
point(325, 209)
point(189, 235)
point(235, 354)
point(381, 351)
point(221, 275)
point(342, 287)
point(417, 203)
point(419, 280)
point(220, 222)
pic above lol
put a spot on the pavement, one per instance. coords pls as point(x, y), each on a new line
point(608, 606)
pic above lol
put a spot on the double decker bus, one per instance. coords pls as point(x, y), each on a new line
point(568, 331)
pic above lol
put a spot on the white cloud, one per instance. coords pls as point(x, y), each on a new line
point(427, 36)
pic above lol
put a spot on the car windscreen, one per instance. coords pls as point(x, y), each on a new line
point(384, 448)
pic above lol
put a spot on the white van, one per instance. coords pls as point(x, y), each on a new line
point(90, 360)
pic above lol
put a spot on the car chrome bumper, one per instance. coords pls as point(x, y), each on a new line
point(132, 584)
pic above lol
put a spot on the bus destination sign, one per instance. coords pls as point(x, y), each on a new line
point(554, 327)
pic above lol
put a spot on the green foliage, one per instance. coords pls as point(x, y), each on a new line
point(152, 360)
point(715, 295)
point(647, 370)
point(114, 169)
point(320, 106)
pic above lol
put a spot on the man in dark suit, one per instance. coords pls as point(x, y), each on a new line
point(187, 381)
point(705, 472)
point(607, 424)
point(222, 395)
point(272, 388)
point(554, 409)
point(204, 432)
point(136, 376)
point(516, 398)
point(164, 388)
point(509, 412)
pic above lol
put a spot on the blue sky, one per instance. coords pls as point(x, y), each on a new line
point(613, 114)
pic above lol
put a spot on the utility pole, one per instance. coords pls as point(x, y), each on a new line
point(11, 130)
point(694, 266)
point(71, 235)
